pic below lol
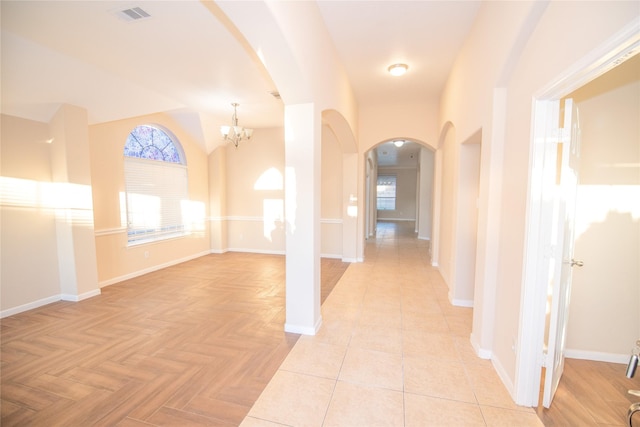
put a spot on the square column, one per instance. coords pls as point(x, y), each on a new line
point(302, 216)
point(72, 196)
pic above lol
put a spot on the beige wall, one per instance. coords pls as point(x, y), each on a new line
point(383, 122)
point(29, 254)
point(446, 248)
point(255, 193)
point(218, 200)
point(604, 318)
point(331, 201)
point(116, 260)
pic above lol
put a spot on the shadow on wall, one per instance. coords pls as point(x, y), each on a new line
point(608, 285)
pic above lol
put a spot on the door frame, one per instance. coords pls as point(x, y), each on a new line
point(529, 357)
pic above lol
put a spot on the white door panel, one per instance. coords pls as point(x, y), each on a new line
point(562, 260)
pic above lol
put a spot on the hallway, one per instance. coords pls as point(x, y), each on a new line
point(391, 351)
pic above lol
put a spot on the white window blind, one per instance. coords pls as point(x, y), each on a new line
point(386, 192)
point(156, 191)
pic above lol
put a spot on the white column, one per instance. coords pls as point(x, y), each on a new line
point(302, 217)
point(71, 173)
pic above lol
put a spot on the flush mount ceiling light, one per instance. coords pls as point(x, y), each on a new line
point(398, 69)
point(398, 143)
point(235, 133)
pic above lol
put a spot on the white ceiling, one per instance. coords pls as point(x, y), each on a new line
point(184, 61)
point(405, 156)
point(371, 35)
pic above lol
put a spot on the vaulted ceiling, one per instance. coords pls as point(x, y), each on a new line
point(183, 60)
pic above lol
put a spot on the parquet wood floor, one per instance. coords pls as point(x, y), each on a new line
point(591, 394)
point(193, 344)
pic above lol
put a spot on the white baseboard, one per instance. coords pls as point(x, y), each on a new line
point(256, 251)
point(270, 252)
point(83, 296)
point(332, 256)
point(304, 330)
point(480, 352)
point(151, 269)
point(504, 377)
point(462, 303)
point(597, 356)
point(45, 301)
point(218, 251)
point(29, 306)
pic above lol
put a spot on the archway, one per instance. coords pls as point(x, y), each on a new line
point(410, 167)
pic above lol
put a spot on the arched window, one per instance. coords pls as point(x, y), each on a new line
point(156, 185)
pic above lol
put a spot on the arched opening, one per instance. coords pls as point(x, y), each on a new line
point(399, 187)
point(339, 203)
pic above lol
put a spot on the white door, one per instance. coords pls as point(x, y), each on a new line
point(563, 262)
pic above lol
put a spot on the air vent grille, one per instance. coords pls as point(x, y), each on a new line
point(133, 14)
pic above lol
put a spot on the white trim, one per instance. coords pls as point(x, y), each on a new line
point(29, 306)
point(77, 298)
point(480, 352)
point(597, 356)
point(333, 256)
point(613, 52)
point(151, 269)
point(462, 302)
point(424, 238)
point(331, 221)
point(257, 251)
point(502, 373)
point(261, 219)
point(274, 252)
point(304, 330)
point(46, 301)
point(351, 260)
point(533, 296)
point(108, 231)
point(244, 218)
point(392, 168)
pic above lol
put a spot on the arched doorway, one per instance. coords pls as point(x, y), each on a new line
point(399, 186)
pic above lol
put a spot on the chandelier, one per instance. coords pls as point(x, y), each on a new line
point(235, 133)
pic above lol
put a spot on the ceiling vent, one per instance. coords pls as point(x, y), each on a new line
point(133, 14)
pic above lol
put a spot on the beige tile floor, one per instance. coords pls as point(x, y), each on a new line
point(392, 351)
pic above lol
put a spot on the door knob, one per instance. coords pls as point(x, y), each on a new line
point(576, 263)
